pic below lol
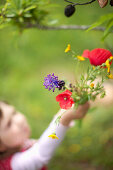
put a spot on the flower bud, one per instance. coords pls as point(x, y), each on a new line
point(69, 10)
point(61, 84)
point(70, 85)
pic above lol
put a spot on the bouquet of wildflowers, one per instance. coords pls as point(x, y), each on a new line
point(85, 88)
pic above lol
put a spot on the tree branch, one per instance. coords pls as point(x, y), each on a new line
point(63, 27)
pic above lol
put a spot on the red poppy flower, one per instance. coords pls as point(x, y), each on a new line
point(97, 56)
point(64, 99)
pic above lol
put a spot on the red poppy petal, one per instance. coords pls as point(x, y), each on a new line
point(65, 94)
point(68, 105)
point(72, 100)
point(59, 97)
point(62, 105)
point(99, 56)
point(62, 97)
point(65, 105)
point(68, 92)
point(86, 53)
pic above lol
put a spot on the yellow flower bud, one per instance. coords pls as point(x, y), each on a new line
point(53, 136)
point(108, 65)
point(80, 58)
point(68, 48)
point(111, 57)
point(93, 68)
point(92, 85)
point(110, 76)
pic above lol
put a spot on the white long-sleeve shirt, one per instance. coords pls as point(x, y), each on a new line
point(42, 151)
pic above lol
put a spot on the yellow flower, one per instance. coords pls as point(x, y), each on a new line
point(111, 57)
point(53, 136)
point(80, 58)
point(110, 76)
point(92, 85)
point(93, 68)
point(107, 65)
point(108, 70)
point(68, 48)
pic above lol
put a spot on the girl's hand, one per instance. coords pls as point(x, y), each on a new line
point(72, 114)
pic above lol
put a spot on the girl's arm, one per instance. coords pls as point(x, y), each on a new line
point(41, 152)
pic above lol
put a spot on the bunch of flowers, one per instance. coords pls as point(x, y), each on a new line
point(85, 88)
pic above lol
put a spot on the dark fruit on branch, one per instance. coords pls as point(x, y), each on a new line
point(69, 10)
point(111, 2)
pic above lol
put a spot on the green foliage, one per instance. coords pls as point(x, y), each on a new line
point(24, 62)
point(23, 13)
point(84, 90)
point(108, 21)
point(90, 85)
point(33, 13)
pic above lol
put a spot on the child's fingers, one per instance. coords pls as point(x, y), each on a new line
point(81, 111)
point(72, 114)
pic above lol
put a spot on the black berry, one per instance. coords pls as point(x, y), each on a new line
point(69, 10)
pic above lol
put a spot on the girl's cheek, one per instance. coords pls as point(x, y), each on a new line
point(18, 137)
point(12, 137)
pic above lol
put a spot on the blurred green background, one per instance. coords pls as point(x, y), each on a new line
point(26, 58)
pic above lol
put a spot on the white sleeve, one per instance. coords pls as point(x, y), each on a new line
point(41, 152)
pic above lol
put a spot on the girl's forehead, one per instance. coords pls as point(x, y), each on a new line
point(5, 113)
point(5, 108)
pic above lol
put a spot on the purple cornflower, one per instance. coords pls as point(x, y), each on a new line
point(51, 82)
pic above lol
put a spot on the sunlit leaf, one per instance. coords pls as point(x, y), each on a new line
point(102, 20)
point(30, 8)
point(108, 29)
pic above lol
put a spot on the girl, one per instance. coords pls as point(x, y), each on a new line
point(17, 152)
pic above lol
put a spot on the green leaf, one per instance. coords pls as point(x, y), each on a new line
point(30, 8)
point(27, 15)
point(93, 97)
point(102, 20)
point(89, 97)
point(83, 99)
point(52, 22)
point(11, 15)
point(82, 77)
point(108, 29)
point(57, 120)
point(103, 94)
